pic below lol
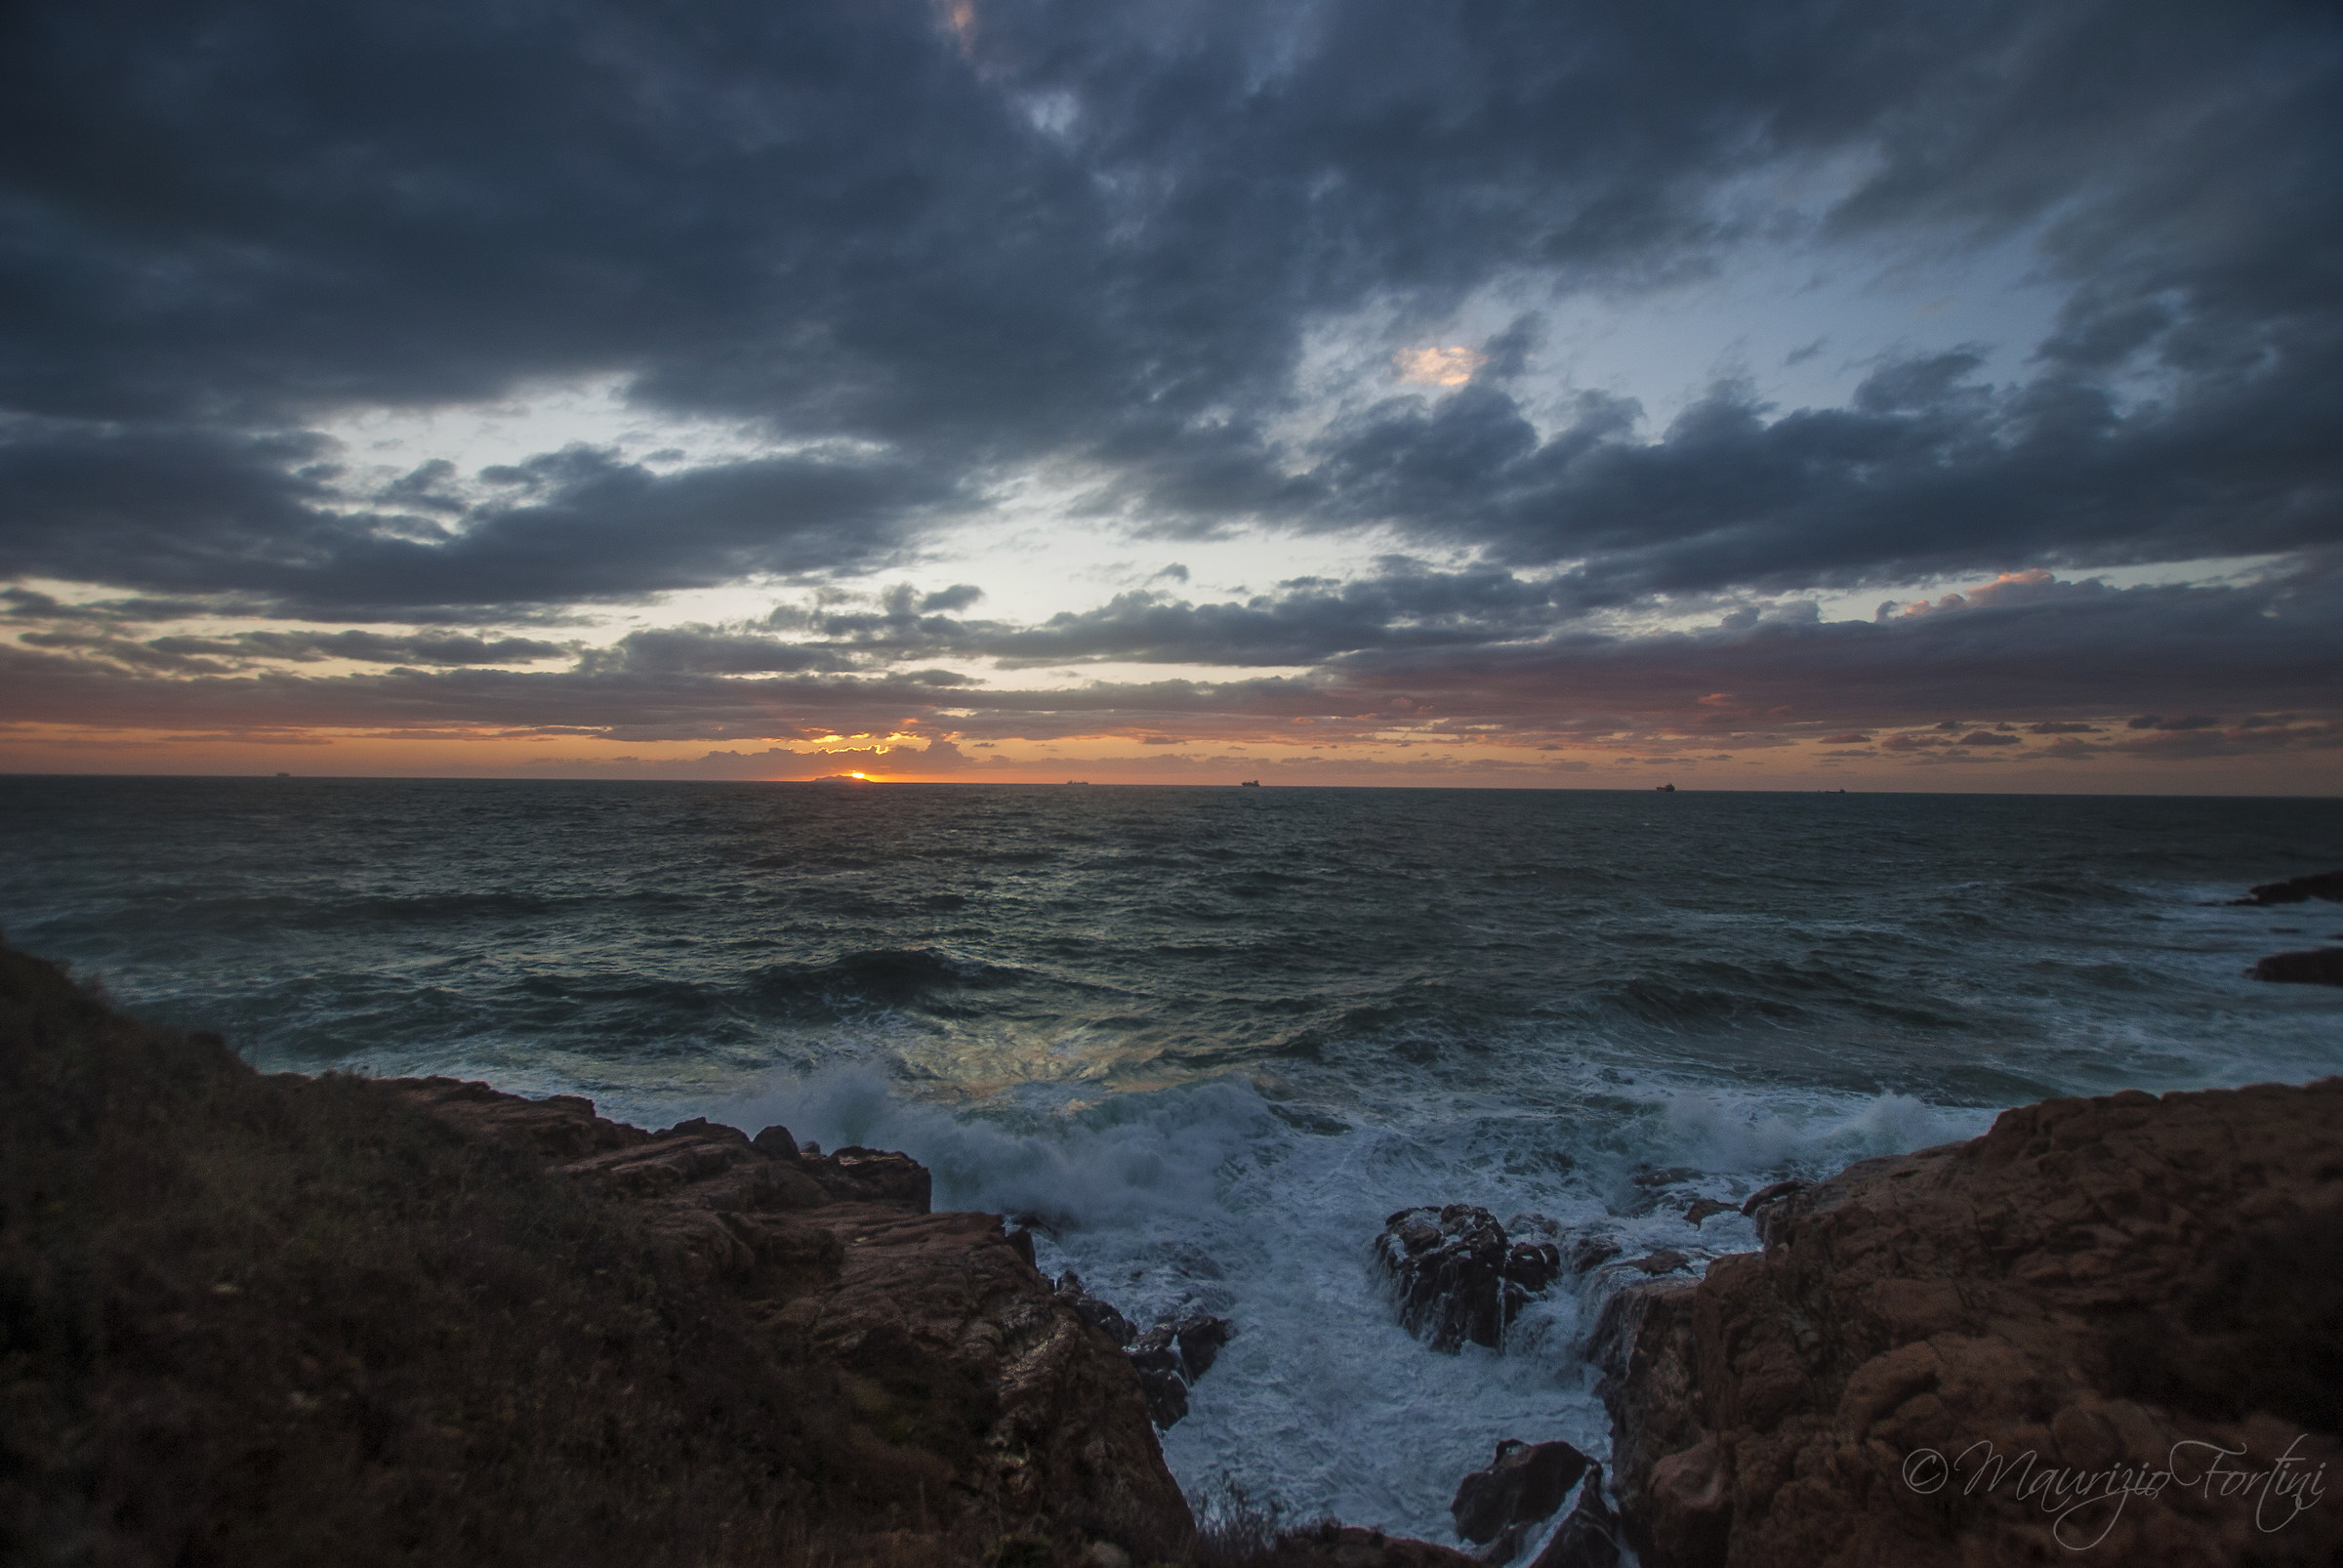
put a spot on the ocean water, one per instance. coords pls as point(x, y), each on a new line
point(1208, 1039)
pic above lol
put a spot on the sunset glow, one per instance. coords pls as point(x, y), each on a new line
point(1056, 394)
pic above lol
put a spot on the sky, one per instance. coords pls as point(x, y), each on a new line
point(1553, 394)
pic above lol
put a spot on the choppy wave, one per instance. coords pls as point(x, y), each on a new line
point(881, 977)
point(1205, 1041)
point(1212, 1198)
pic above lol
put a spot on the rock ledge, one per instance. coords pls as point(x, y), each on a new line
point(2008, 1349)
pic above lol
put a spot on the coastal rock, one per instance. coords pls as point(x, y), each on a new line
point(1201, 1340)
point(1951, 1357)
point(1505, 1547)
point(2318, 965)
point(1590, 1250)
point(276, 1319)
point(1769, 1194)
point(2327, 884)
point(1169, 1357)
point(1524, 1483)
point(1590, 1537)
point(1093, 1311)
point(1337, 1545)
point(950, 1342)
point(1455, 1276)
point(1157, 1362)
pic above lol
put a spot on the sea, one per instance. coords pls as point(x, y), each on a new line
point(1206, 1040)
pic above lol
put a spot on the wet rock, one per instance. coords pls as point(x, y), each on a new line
point(2103, 1284)
point(1505, 1547)
point(775, 1143)
point(1201, 1339)
point(2327, 884)
point(1591, 1251)
point(1590, 1537)
point(1455, 1274)
point(1701, 1208)
point(1524, 1483)
point(1021, 1238)
point(1770, 1194)
point(874, 1176)
point(1337, 1545)
point(2318, 965)
point(1093, 1311)
point(1156, 1359)
point(1168, 1357)
point(1666, 1261)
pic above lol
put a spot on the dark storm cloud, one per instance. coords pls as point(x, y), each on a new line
point(1100, 230)
point(2023, 647)
point(1307, 622)
point(1093, 241)
point(363, 647)
point(1927, 473)
point(200, 511)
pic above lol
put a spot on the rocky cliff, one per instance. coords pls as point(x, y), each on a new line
point(947, 1338)
point(249, 1319)
point(2109, 1329)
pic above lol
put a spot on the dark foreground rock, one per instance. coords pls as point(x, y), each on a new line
point(2113, 1324)
point(944, 1322)
point(276, 1320)
point(2318, 965)
point(1524, 1483)
point(1169, 1357)
point(1590, 1537)
point(2327, 884)
point(1455, 1276)
point(1334, 1546)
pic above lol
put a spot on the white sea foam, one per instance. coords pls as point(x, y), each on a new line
point(1569, 1003)
point(1204, 1198)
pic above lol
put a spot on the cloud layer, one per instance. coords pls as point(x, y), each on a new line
point(1210, 272)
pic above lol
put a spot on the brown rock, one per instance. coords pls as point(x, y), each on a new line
point(2318, 965)
point(1590, 1537)
point(1769, 1194)
point(961, 1347)
point(1455, 1276)
point(2089, 1289)
point(276, 1319)
point(1590, 1250)
point(950, 1343)
point(1333, 1546)
point(775, 1142)
point(1524, 1483)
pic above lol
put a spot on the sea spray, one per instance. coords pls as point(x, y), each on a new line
point(1205, 1043)
point(1205, 1198)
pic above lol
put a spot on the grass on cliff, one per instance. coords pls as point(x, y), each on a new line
point(250, 1319)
